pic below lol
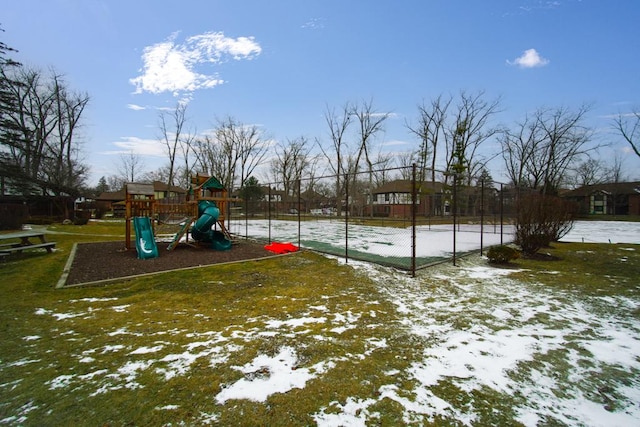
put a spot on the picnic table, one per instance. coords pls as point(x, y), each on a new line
point(22, 240)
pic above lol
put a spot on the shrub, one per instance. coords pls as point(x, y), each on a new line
point(12, 216)
point(502, 254)
point(80, 221)
point(541, 220)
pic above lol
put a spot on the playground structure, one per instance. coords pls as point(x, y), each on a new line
point(201, 214)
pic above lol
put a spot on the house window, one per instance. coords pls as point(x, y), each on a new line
point(598, 203)
point(386, 197)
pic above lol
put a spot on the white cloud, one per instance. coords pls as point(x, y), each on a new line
point(314, 24)
point(135, 145)
point(530, 58)
point(394, 143)
point(170, 66)
point(135, 107)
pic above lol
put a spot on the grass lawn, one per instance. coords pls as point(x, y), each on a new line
point(305, 339)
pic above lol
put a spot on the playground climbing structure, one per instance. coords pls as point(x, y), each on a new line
point(200, 214)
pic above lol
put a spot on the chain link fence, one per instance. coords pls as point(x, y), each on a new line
point(387, 216)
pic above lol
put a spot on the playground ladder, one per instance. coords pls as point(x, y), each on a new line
point(183, 229)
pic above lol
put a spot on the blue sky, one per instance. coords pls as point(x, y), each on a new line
point(279, 64)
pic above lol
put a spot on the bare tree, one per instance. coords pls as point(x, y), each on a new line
point(538, 154)
point(405, 162)
point(187, 147)
point(518, 148)
point(566, 141)
point(614, 172)
point(590, 172)
point(430, 129)
point(115, 182)
point(382, 162)
point(161, 174)
point(252, 149)
point(64, 167)
point(232, 153)
point(40, 145)
point(628, 125)
point(469, 129)
point(130, 167)
point(338, 153)
point(210, 156)
point(541, 150)
point(370, 124)
point(291, 160)
point(176, 139)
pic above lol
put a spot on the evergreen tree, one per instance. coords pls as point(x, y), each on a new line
point(8, 106)
point(251, 193)
point(102, 186)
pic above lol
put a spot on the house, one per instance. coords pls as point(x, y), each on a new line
point(110, 202)
point(165, 191)
point(621, 198)
point(393, 199)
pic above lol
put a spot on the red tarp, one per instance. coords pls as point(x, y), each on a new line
point(281, 248)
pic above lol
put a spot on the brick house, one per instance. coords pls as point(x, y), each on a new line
point(621, 198)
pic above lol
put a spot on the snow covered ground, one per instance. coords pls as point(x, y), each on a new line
point(432, 242)
point(517, 341)
point(604, 232)
point(547, 347)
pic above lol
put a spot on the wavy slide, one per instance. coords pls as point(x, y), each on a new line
point(202, 229)
point(145, 240)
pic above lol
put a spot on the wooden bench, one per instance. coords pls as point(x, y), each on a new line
point(9, 245)
point(8, 248)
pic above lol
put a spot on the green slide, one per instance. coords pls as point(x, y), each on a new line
point(145, 241)
point(202, 229)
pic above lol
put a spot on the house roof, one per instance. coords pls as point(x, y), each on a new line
point(111, 196)
point(620, 188)
point(142, 189)
point(405, 186)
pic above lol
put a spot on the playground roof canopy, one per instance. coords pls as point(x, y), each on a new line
point(212, 184)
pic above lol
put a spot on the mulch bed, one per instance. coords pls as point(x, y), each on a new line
point(110, 260)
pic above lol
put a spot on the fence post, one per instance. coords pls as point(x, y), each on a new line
point(299, 207)
point(346, 220)
point(481, 215)
point(246, 218)
point(455, 208)
point(414, 207)
point(269, 213)
point(501, 214)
